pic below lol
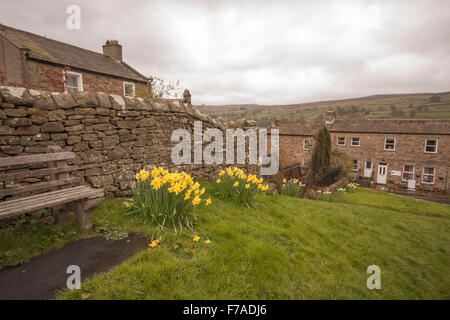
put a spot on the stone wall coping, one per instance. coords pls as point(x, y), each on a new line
point(41, 99)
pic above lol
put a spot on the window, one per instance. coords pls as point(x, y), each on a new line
point(428, 175)
point(368, 164)
point(275, 141)
point(306, 144)
point(408, 173)
point(129, 89)
point(74, 81)
point(355, 165)
point(355, 142)
point(431, 145)
point(341, 141)
point(389, 144)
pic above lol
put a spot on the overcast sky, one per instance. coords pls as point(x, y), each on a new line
point(265, 52)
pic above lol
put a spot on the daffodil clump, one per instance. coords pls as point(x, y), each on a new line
point(166, 198)
point(323, 195)
point(236, 185)
point(351, 187)
point(292, 188)
point(340, 192)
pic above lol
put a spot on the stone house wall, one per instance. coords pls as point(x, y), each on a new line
point(113, 136)
point(409, 150)
point(36, 78)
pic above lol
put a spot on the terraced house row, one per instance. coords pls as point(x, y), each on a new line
point(413, 153)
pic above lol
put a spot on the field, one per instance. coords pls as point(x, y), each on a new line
point(406, 106)
point(287, 248)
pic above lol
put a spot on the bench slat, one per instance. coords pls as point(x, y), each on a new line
point(13, 202)
point(13, 161)
point(47, 202)
point(41, 186)
point(36, 173)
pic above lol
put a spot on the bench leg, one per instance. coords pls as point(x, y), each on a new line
point(60, 214)
point(84, 209)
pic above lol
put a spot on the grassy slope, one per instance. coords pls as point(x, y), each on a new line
point(289, 249)
point(378, 107)
point(29, 237)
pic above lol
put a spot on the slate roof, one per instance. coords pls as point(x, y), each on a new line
point(408, 126)
point(49, 50)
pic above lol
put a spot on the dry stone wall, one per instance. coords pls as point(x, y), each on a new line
point(113, 136)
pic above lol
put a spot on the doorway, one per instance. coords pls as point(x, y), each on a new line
point(382, 173)
point(368, 169)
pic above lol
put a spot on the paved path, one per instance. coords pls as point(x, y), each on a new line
point(41, 277)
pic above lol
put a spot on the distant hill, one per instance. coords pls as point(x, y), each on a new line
point(415, 105)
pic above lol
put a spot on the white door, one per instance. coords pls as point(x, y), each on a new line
point(368, 169)
point(382, 173)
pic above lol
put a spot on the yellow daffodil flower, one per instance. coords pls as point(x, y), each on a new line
point(196, 200)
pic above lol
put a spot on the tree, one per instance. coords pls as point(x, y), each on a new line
point(157, 89)
point(321, 158)
point(435, 98)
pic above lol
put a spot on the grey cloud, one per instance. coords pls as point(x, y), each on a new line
point(267, 52)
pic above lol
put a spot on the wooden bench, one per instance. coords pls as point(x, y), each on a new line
point(62, 193)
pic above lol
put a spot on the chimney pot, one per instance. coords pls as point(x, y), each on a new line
point(113, 49)
point(330, 117)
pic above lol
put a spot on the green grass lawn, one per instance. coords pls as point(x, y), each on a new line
point(288, 248)
point(31, 236)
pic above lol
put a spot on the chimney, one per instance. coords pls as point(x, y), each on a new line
point(113, 49)
point(330, 117)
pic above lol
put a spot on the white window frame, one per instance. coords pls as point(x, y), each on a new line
point(275, 141)
point(305, 144)
point(339, 144)
point(124, 83)
point(385, 142)
point(425, 148)
point(423, 175)
point(80, 80)
point(356, 145)
point(412, 172)
point(357, 164)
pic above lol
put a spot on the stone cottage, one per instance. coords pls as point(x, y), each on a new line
point(408, 152)
point(36, 62)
